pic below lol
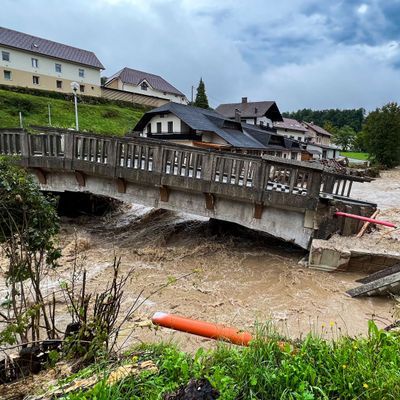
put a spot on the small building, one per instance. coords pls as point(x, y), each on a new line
point(317, 135)
point(33, 62)
point(262, 113)
point(291, 128)
point(144, 84)
point(198, 127)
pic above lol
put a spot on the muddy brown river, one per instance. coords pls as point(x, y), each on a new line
point(238, 277)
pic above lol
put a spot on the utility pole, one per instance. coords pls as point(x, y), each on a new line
point(49, 107)
point(74, 87)
point(21, 125)
point(192, 94)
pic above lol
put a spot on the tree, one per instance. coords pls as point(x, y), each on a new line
point(103, 80)
point(201, 96)
point(345, 137)
point(382, 134)
point(28, 225)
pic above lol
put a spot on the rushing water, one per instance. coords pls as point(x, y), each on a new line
point(238, 276)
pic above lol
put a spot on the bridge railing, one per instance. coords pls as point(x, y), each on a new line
point(121, 157)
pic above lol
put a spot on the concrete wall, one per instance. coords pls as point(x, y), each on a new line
point(22, 72)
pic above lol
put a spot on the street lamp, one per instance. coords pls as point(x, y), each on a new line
point(75, 87)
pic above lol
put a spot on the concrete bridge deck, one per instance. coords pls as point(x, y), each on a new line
point(288, 199)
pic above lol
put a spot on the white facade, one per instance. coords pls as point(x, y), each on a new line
point(47, 66)
point(292, 134)
point(164, 121)
point(149, 91)
point(263, 121)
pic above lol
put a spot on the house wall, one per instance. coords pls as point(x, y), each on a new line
point(210, 137)
point(178, 125)
point(149, 92)
point(20, 65)
point(317, 138)
point(264, 120)
point(300, 136)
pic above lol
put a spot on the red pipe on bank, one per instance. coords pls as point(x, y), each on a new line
point(371, 220)
point(202, 328)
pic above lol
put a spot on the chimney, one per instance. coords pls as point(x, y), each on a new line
point(237, 115)
point(244, 99)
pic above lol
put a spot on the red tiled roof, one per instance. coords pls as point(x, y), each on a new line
point(291, 124)
point(317, 128)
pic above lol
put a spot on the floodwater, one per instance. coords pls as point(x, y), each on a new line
point(224, 274)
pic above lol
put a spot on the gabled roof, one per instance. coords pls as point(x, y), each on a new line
point(290, 124)
point(316, 128)
point(251, 110)
point(134, 77)
point(34, 44)
point(237, 134)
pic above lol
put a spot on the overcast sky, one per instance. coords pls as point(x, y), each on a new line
point(301, 53)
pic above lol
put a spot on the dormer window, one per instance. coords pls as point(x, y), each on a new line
point(144, 86)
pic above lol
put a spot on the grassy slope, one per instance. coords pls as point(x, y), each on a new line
point(103, 118)
point(345, 368)
point(356, 155)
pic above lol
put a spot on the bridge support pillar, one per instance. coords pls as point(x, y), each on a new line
point(164, 194)
point(121, 185)
point(258, 210)
point(210, 201)
point(80, 178)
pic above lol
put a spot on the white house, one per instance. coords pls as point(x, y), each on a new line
point(33, 62)
point(291, 128)
point(145, 84)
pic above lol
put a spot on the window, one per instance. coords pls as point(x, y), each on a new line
point(158, 127)
point(148, 128)
point(278, 154)
point(5, 56)
point(58, 68)
point(299, 138)
point(82, 88)
point(35, 63)
point(162, 115)
point(81, 73)
point(59, 84)
point(7, 75)
point(170, 126)
point(35, 80)
point(293, 156)
point(144, 86)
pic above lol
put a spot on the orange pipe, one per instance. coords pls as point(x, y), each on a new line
point(202, 328)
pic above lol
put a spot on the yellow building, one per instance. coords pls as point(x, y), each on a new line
point(33, 62)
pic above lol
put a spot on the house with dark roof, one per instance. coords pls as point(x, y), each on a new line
point(145, 84)
point(34, 62)
point(262, 113)
point(198, 127)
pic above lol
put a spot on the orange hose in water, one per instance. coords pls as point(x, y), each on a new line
point(202, 328)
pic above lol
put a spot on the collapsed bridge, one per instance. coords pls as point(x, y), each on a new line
point(292, 200)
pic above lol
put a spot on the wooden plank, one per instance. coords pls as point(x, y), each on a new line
point(380, 274)
point(366, 224)
point(387, 285)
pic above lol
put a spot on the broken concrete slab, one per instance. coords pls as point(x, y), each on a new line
point(389, 284)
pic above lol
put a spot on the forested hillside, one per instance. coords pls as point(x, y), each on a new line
point(338, 118)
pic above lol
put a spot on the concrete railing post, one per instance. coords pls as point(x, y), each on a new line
point(24, 143)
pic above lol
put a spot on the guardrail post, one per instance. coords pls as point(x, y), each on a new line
point(315, 184)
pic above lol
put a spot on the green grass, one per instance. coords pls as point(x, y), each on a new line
point(346, 368)
point(356, 155)
point(100, 118)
